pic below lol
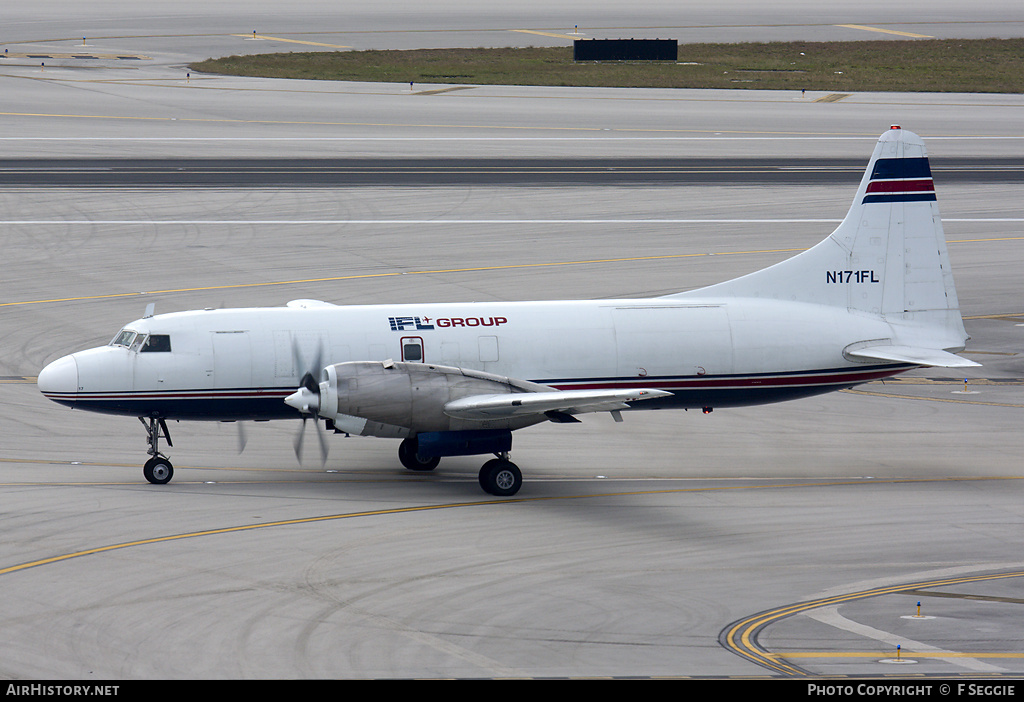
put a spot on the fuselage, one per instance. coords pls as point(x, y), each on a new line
point(240, 364)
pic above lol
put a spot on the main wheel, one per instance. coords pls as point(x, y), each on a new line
point(158, 471)
point(413, 461)
point(500, 477)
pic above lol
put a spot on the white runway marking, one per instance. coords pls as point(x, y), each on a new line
point(462, 139)
point(449, 222)
point(418, 221)
point(832, 617)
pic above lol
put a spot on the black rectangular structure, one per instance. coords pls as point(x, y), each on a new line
point(625, 50)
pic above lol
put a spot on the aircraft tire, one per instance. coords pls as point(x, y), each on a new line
point(409, 458)
point(500, 477)
point(158, 471)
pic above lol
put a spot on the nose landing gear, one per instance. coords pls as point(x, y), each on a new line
point(157, 470)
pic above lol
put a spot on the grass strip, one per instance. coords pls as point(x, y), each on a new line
point(921, 65)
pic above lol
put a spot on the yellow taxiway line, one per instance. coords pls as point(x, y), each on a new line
point(763, 618)
point(548, 34)
point(742, 636)
point(388, 274)
point(906, 654)
point(885, 31)
point(291, 41)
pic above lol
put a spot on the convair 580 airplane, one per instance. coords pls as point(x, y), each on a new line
point(874, 299)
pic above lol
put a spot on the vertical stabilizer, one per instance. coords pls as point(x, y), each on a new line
point(887, 258)
point(894, 230)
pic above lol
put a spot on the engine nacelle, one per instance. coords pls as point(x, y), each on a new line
point(396, 400)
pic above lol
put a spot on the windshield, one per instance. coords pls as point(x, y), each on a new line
point(141, 342)
point(125, 337)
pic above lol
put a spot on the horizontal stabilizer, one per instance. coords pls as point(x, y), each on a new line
point(569, 401)
point(909, 354)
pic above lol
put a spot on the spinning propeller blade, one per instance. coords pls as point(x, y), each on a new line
point(306, 399)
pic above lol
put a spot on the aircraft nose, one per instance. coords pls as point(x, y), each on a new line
point(59, 380)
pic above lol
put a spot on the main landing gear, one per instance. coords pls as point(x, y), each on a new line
point(158, 470)
point(411, 459)
point(499, 476)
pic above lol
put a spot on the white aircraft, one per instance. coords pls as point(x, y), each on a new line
point(874, 299)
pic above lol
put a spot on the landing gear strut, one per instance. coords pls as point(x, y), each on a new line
point(500, 476)
point(158, 470)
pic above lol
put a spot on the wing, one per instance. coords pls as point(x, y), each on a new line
point(568, 402)
point(390, 398)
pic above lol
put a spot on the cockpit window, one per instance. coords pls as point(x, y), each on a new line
point(125, 337)
point(142, 343)
point(157, 342)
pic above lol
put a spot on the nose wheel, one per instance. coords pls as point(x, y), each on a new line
point(157, 470)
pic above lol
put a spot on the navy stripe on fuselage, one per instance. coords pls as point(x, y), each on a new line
point(266, 403)
point(687, 391)
point(781, 376)
point(738, 391)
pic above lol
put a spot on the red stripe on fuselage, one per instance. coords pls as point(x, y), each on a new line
point(721, 383)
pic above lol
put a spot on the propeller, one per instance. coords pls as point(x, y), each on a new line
point(306, 399)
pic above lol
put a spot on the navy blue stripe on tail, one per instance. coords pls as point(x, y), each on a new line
point(891, 168)
point(900, 180)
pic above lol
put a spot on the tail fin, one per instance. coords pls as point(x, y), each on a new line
point(887, 258)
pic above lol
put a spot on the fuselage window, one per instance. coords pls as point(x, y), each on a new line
point(157, 342)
